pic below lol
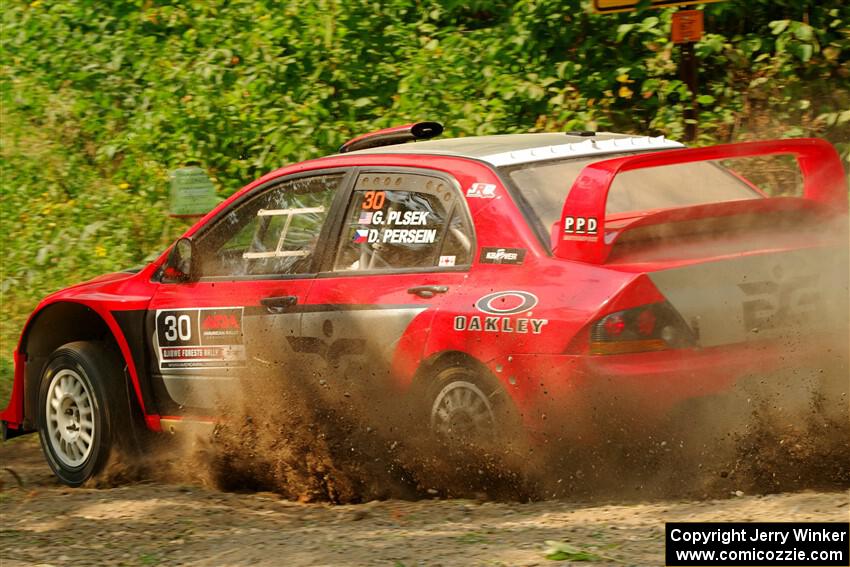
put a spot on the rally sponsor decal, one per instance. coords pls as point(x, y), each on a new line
point(481, 191)
point(498, 308)
point(580, 228)
point(446, 261)
point(200, 338)
point(502, 255)
point(499, 324)
point(506, 302)
point(221, 326)
point(772, 304)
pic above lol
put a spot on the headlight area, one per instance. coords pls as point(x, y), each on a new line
point(647, 328)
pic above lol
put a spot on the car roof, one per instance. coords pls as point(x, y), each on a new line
point(514, 149)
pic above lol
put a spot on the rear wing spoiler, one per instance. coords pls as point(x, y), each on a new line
point(582, 235)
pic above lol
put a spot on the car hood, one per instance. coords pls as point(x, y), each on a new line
point(96, 283)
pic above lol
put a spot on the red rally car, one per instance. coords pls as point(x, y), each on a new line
point(481, 273)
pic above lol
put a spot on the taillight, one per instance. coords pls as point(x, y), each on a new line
point(614, 325)
point(656, 326)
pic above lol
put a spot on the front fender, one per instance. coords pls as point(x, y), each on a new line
point(96, 299)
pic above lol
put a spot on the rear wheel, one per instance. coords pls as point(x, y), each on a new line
point(82, 411)
point(466, 407)
point(479, 438)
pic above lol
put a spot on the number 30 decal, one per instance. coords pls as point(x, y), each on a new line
point(178, 327)
point(374, 200)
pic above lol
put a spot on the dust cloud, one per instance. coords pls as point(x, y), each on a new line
point(315, 437)
point(313, 440)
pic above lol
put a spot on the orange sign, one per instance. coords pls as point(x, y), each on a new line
point(687, 26)
point(608, 6)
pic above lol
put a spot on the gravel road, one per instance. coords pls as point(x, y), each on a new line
point(152, 523)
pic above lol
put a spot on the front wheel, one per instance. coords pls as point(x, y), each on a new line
point(79, 400)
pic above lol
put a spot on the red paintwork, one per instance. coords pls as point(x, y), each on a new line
point(647, 384)
point(378, 133)
point(14, 412)
point(574, 287)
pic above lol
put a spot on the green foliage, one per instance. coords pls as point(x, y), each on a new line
point(560, 551)
point(101, 99)
point(246, 86)
point(471, 538)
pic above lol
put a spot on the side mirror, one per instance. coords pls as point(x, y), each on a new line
point(178, 266)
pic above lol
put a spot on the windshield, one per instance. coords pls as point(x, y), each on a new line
point(545, 186)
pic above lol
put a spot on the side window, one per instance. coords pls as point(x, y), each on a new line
point(403, 220)
point(273, 233)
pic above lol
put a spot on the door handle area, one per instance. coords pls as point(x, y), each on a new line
point(278, 304)
point(428, 291)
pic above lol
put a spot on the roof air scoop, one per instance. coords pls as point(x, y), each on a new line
point(392, 136)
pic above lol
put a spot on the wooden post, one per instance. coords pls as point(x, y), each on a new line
point(687, 29)
point(688, 74)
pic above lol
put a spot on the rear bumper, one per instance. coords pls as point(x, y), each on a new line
point(552, 389)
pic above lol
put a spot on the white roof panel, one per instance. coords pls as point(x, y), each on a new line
point(512, 149)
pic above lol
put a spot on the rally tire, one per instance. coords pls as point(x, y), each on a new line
point(466, 406)
point(82, 412)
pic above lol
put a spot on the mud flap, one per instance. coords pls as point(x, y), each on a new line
point(8, 433)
